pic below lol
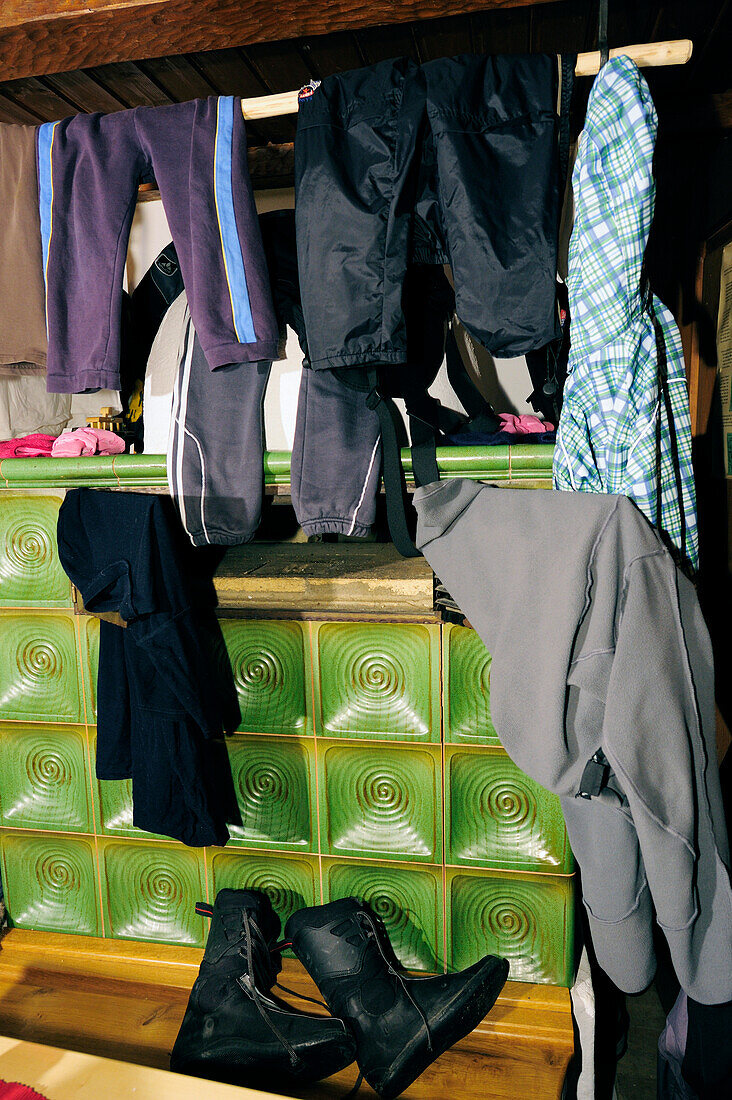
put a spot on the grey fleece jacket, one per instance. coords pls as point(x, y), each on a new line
point(591, 625)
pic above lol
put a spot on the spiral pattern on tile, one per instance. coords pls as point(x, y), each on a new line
point(38, 661)
point(151, 882)
point(267, 661)
point(403, 900)
point(374, 801)
point(48, 769)
point(281, 887)
point(257, 670)
point(509, 802)
point(262, 655)
point(28, 547)
point(510, 923)
point(59, 874)
point(380, 676)
point(152, 890)
point(158, 888)
point(380, 792)
point(386, 906)
point(261, 782)
point(271, 780)
point(375, 680)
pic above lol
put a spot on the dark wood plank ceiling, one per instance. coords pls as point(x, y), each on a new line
point(46, 36)
point(282, 65)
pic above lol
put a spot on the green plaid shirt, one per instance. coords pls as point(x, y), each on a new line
point(607, 433)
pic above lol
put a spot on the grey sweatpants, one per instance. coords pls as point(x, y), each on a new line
point(336, 457)
point(215, 446)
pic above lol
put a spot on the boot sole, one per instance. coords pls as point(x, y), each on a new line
point(479, 997)
point(223, 1062)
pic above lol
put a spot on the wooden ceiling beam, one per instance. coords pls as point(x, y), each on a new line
point(51, 36)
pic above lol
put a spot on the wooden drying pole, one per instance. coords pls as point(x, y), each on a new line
point(645, 55)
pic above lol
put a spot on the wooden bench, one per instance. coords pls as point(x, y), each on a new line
point(126, 999)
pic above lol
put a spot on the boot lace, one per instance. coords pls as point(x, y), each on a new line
point(369, 926)
point(261, 968)
point(356, 1087)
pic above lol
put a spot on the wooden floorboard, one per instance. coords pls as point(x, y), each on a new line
point(126, 1000)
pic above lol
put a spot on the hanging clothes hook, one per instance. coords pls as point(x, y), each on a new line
point(602, 34)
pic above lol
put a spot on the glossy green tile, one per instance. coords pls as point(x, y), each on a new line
point(89, 645)
point(380, 801)
point(497, 817)
point(378, 681)
point(50, 883)
point(527, 919)
point(274, 780)
point(290, 882)
point(407, 899)
point(30, 572)
point(149, 891)
point(114, 813)
point(268, 661)
point(39, 675)
point(44, 780)
point(467, 676)
point(113, 804)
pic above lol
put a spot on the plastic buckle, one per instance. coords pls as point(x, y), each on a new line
point(245, 983)
point(373, 398)
point(595, 776)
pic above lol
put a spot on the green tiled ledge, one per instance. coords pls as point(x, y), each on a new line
point(527, 919)
point(525, 462)
point(375, 683)
point(51, 882)
point(40, 675)
point(366, 763)
point(30, 571)
point(142, 890)
point(268, 660)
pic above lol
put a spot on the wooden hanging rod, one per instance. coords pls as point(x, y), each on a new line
point(646, 55)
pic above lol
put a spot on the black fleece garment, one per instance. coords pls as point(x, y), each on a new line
point(165, 691)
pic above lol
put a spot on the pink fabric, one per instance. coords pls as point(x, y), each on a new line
point(11, 1090)
point(88, 441)
point(526, 424)
point(27, 446)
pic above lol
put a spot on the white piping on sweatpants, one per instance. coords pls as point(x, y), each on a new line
point(365, 485)
point(178, 421)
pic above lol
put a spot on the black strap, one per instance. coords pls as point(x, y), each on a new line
point(428, 303)
point(428, 420)
point(424, 451)
point(602, 34)
point(466, 391)
point(393, 437)
point(569, 62)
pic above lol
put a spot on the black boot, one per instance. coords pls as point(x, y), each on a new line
point(233, 1029)
point(401, 1023)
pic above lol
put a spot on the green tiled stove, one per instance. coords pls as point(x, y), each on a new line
point(366, 763)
